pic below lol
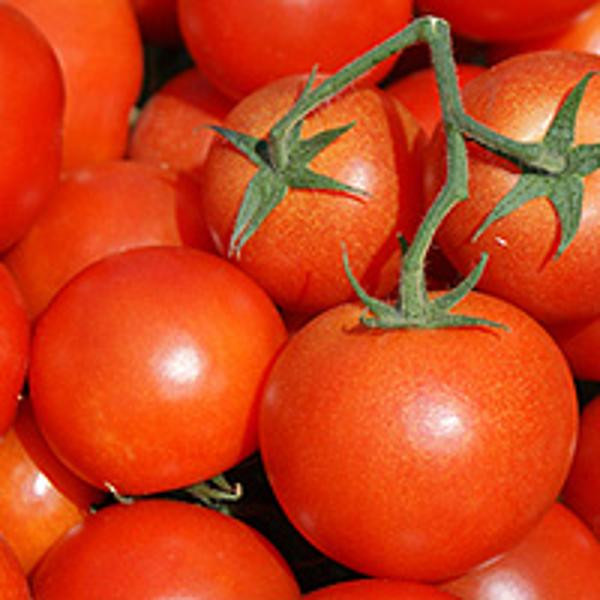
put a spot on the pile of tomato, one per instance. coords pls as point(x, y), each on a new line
point(232, 365)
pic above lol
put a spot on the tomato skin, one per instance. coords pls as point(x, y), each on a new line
point(13, 585)
point(581, 492)
point(558, 558)
point(39, 498)
point(303, 236)
point(172, 128)
point(243, 45)
point(158, 21)
point(418, 92)
point(14, 347)
point(517, 98)
point(457, 451)
point(99, 49)
point(164, 350)
point(31, 130)
point(499, 20)
point(158, 549)
point(378, 589)
point(99, 210)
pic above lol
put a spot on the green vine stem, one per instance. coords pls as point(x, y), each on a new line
point(551, 167)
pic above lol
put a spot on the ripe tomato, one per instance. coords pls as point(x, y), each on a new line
point(172, 127)
point(378, 589)
point(163, 549)
point(417, 454)
point(582, 488)
point(99, 210)
point(418, 92)
point(492, 20)
point(559, 558)
point(518, 98)
point(580, 340)
point(31, 130)
point(158, 21)
point(296, 255)
point(13, 585)
point(98, 45)
point(14, 347)
point(581, 35)
point(39, 498)
point(241, 46)
point(145, 369)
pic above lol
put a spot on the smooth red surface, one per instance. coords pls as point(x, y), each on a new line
point(373, 589)
point(146, 368)
point(425, 452)
point(98, 45)
point(558, 559)
point(241, 45)
point(158, 21)
point(494, 20)
point(173, 126)
point(162, 549)
point(40, 499)
point(13, 584)
point(582, 488)
point(100, 210)
point(296, 255)
point(14, 347)
point(518, 98)
point(30, 129)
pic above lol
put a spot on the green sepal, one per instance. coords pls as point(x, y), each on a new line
point(246, 144)
point(305, 150)
point(308, 179)
point(264, 192)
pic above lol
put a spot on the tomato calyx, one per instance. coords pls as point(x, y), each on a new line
point(563, 185)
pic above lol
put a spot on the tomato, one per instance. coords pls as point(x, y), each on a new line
point(172, 127)
point(417, 454)
point(13, 585)
point(580, 340)
point(158, 21)
point(418, 92)
point(163, 549)
point(39, 498)
point(241, 46)
point(99, 210)
point(558, 558)
point(493, 20)
point(146, 367)
point(582, 35)
point(14, 347)
point(374, 589)
point(518, 98)
point(296, 255)
point(582, 488)
point(98, 45)
point(31, 130)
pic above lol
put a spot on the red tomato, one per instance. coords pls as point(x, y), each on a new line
point(98, 45)
point(158, 21)
point(31, 129)
point(99, 210)
point(164, 350)
point(518, 98)
point(14, 347)
point(580, 342)
point(582, 35)
point(13, 585)
point(559, 558)
point(243, 45)
point(39, 498)
point(296, 255)
point(582, 488)
point(374, 589)
point(418, 92)
point(417, 454)
point(159, 549)
point(499, 20)
point(172, 127)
